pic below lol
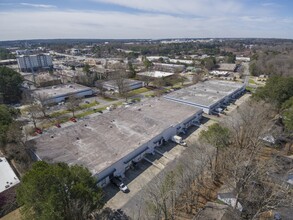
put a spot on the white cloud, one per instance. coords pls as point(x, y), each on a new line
point(270, 4)
point(184, 7)
point(118, 25)
point(37, 5)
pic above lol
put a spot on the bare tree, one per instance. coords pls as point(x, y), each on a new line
point(43, 103)
point(120, 78)
point(101, 88)
point(242, 165)
point(180, 187)
point(72, 104)
point(33, 111)
point(196, 78)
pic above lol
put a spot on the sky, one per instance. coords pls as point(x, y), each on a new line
point(145, 19)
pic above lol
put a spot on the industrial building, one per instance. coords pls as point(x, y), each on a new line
point(8, 62)
point(59, 93)
point(174, 68)
point(154, 74)
point(8, 178)
point(243, 59)
point(211, 96)
point(31, 63)
point(230, 67)
point(128, 84)
point(108, 144)
point(219, 73)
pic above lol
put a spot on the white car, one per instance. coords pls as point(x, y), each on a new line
point(123, 188)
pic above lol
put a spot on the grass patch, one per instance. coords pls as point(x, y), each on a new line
point(109, 99)
point(138, 91)
point(89, 112)
point(149, 96)
point(251, 81)
point(135, 100)
point(250, 89)
point(59, 113)
point(85, 106)
point(86, 113)
point(177, 86)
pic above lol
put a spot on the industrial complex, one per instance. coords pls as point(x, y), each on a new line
point(109, 143)
point(211, 96)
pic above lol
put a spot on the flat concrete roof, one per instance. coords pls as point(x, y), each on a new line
point(61, 90)
point(205, 93)
point(227, 66)
point(155, 74)
point(169, 65)
point(129, 82)
point(8, 177)
point(100, 141)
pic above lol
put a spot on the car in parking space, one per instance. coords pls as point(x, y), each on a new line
point(123, 188)
point(73, 119)
point(117, 182)
point(38, 131)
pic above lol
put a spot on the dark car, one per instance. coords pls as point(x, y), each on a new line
point(58, 125)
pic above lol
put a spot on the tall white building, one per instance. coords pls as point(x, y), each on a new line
point(29, 63)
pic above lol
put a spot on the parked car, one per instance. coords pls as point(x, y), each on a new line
point(117, 182)
point(73, 119)
point(39, 131)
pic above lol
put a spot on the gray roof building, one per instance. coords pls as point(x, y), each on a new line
point(207, 95)
point(101, 141)
point(58, 93)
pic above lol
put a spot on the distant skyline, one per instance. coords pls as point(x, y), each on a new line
point(145, 19)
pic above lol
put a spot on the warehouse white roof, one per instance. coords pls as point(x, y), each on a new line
point(61, 90)
point(205, 93)
point(155, 74)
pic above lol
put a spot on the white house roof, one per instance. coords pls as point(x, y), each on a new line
point(7, 175)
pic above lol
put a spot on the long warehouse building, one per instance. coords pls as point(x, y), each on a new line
point(109, 143)
point(211, 96)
